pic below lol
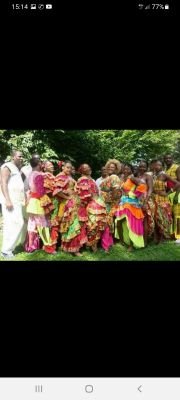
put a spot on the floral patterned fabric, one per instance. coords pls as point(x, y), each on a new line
point(73, 234)
point(163, 210)
point(110, 192)
point(92, 210)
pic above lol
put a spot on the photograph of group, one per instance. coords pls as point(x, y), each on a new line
point(92, 195)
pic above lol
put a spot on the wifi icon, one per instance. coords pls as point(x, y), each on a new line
point(147, 7)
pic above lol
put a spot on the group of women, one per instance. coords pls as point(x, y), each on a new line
point(127, 205)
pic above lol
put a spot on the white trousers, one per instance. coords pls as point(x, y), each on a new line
point(13, 227)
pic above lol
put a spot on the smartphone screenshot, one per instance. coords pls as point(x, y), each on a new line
point(89, 201)
point(90, 209)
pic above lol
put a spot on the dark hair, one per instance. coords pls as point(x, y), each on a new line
point(168, 154)
point(61, 164)
point(153, 161)
point(67, 162)
point(14, 151)
point(35, 155)
point(145, 162)
point(34, 162)
point(128, 165)
point(159, 161)
point(83, 167)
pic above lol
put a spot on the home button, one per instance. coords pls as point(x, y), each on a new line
point(89, 388)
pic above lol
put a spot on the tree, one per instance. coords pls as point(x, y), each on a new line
point(91, 146)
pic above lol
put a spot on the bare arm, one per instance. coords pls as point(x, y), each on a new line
point(150, 185)
point(177, 184)
point(5, 175)
point(135, 180)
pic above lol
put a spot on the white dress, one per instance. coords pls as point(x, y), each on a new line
point(13, 221)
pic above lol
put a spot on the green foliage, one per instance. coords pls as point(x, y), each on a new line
point(168, 251)
point(91, 146)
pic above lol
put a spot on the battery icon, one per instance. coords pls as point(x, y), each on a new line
point(48, 6)
point(166, 6)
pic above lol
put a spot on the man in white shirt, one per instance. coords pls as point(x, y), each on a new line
point(26, 171)
point(13, 201)
point(104, 174)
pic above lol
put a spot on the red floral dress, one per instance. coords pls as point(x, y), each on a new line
point(73, 234)
point(92, 210)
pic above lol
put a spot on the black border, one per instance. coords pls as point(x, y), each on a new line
point(89, 319)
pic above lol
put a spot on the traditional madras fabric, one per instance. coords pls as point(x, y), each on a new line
point(149, 211)
point(46, 200)
point(175, 203)
point(110, 191)
point(163, 210)
point(92, 210)
point(51, 208)
point(172, 173)
point(131, 214)
point(175, 206)
point(38, 224)
point(73, 235)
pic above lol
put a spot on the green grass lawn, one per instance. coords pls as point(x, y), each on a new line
point(167, 251)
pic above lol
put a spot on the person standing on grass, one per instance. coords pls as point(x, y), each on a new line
point(129, 226)
point(110, 192)
point(13, 201)
point(73, 235)
point(92, 209)
point(148, 205)
point(104, 174)
point(38, 223)
point(163, 210)
point(173, 170)
point(51, 206)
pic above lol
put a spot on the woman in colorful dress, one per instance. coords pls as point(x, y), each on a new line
point(92, 210)
point(73, 234)
point(163, 210)
point(129, 216)
point(38, 223)
point(148, 205)
point(173, 170)
point(110, 191)
point(50, 204)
